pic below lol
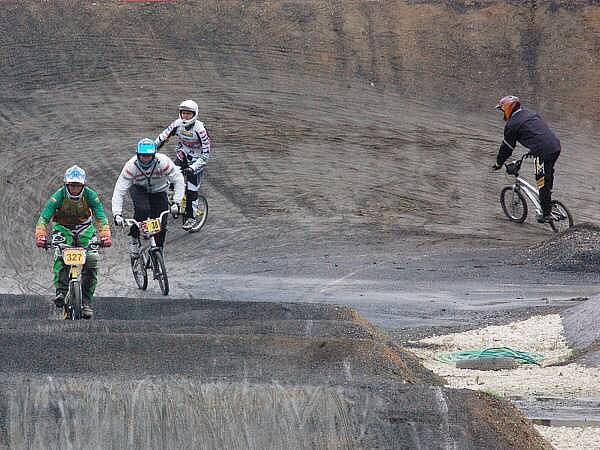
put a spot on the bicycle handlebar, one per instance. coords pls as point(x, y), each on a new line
point(94, 246)
point(523, 156)
point(513, 167)
point(129, 222)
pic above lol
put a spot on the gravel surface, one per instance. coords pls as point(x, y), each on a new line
point(571, 438)
point(575, 250)
point(539, 334)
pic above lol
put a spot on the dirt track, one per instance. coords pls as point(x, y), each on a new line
point(352, 142)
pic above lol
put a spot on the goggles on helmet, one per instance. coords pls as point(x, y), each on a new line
point(146, 147)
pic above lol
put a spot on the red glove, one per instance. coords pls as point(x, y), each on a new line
point(105, 241)
point(41, 240)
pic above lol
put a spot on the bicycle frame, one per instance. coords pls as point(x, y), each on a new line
point(522, 185)
point(530, 191)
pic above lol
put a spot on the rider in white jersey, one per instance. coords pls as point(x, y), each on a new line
point(193, 150)
point(147, 177)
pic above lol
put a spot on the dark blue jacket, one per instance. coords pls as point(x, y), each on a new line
point(528, 129)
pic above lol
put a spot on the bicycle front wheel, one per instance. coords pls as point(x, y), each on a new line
point(139, 272)
point(560, 217)
point(513, 204)
point(160, 271)
point(201, 214)
point(73, 301)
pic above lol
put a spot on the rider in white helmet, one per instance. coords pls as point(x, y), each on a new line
point(193, 150)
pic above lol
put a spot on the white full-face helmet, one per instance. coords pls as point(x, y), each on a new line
point(74, 175)
point(188, 105)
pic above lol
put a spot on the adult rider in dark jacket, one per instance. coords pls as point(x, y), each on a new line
point(530, 130)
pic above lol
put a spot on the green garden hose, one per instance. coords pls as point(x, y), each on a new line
point(498, 352)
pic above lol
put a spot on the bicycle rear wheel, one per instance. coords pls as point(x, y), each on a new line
point(560, 217)
point(138, 267)
point(182, 207)
point(513, 204)
point(201, 214)
point(160, 271)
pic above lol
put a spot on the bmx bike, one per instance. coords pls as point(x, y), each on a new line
point(74, 256)
point(150, 255)
point(514, 205)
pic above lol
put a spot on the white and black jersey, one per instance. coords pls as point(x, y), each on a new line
point(193, 141)
point(156, 178)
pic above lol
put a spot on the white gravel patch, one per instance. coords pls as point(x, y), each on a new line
point(541, 334)
point(571, 438)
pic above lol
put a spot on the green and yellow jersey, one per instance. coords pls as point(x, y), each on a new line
point(70, 213)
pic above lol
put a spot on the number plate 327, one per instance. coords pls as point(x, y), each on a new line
point(74, 256)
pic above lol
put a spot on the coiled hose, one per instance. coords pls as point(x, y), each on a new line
point(494, 352)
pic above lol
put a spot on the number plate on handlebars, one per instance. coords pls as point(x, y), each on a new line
point(151, 226)
point(74, 256)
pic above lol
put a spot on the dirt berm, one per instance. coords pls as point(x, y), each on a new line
point(345, 133)
point(191, 373)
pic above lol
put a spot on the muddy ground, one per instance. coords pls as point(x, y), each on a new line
point(351, 150)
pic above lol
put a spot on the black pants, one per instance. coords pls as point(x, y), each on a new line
point(546, 190)
point(147, 205)
point(192, 184)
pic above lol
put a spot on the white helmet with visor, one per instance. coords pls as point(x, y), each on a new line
point(191, 106)
point(74, 176)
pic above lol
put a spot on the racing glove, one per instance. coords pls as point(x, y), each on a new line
point(118, 218)
point(174, 209)
point(41, 237)
point(41, 240)
point(105, 238)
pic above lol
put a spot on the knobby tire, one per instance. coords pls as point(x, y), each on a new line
point(559, 208)
point(160, 271)
point(204, 208)
point(506, 197)
point(74, 300)
point(140, 274)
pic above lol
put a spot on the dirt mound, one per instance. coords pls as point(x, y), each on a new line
point(582, 329)
point(301, 343)
point(165, 378)
point(183, 412)
point(575, 250)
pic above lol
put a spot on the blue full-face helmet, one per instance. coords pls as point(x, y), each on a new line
point(146, 147)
